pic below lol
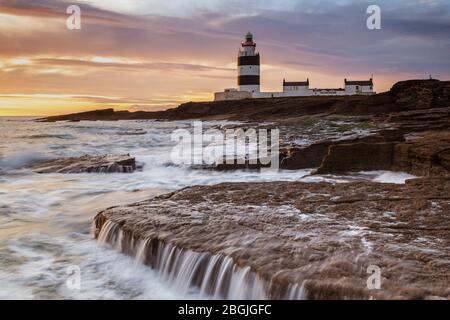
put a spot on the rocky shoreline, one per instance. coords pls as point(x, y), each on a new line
point(424, 154)
point(298, 240)
point(87, 164)
point(319, 238)
point(409, 127)
point(407, 101)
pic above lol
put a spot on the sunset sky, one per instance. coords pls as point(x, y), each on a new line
point(155, 54)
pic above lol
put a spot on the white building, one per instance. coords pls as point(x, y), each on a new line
point(232, 94)
point(358, 87)
point(297, 88)
point(249, 81)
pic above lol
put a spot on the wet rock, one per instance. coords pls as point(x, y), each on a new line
point(357, 157)
point(437, 119)
point(135, 132)
point(427, 155)
point(424, 156)
point(315, 238)
point(87, 163)
point(240, 164)
point(313, 155)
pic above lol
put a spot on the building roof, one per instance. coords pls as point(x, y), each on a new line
point(295, 83)
point(359, 82)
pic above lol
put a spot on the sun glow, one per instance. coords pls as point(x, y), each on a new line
point(44, 105)
point(20, 61)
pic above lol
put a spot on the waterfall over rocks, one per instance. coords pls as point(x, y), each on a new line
point(288, 240)
point(214, 275)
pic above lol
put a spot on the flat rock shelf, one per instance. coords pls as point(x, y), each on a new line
point(87, 164)
point(293, 240)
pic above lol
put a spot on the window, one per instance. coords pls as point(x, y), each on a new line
point(357, 87)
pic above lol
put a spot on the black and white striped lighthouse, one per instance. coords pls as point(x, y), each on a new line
point(248, 66)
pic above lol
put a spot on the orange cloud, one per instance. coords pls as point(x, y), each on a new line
point(156, 62)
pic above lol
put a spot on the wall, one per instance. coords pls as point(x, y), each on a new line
point(300, 92)
point(351, 89)
point(232, 95)
point(321, 92)
point(291, 91)
point(249, 88)
point(267, 94)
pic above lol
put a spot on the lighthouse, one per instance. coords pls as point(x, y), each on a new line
point(249, 81)
point(248, 66)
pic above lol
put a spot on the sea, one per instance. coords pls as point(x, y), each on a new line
point(46, 233)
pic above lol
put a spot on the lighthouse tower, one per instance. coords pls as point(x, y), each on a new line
point(248, 66)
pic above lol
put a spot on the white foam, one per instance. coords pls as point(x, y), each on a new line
point(23, 158)
point(391, 177)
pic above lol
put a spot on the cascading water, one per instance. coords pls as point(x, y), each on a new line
point(213, 275)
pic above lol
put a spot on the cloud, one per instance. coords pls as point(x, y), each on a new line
point(185, 49)
point(164, 66)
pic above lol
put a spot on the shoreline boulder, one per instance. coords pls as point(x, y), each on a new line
point(88, 164)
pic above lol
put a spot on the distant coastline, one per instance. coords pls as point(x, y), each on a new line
point(12, 118)
point(403, 96)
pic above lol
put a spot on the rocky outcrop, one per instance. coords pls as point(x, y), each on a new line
point(87, 163)
point(426, 155)
point(104, 115)
point(293, 239)
point(294, 158)
point(312, 156)
point(419, 94)
point(403, 97)
point(357, 157)
point(437, 119)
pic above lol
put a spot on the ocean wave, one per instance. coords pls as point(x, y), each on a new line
point(21, 159)
point(48, 136)
point(132, 132)
point(392, 177)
